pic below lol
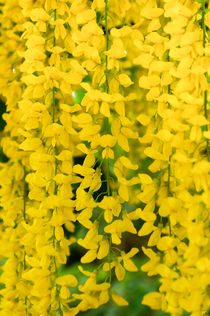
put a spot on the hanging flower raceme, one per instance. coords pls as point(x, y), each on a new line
point(48, 76)
point(13, 192)
point(177, 133)
point(102, 125)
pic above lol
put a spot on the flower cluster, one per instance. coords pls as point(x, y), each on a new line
point(142, 69)
point(176, 72)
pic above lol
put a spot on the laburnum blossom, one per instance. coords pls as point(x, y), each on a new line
point(107, 133)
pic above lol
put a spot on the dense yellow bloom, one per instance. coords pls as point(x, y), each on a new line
point(142, 68)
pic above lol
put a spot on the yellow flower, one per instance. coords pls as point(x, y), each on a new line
point(107, 141)
point(111, 207)
point(119, 300)
point(67, 280)
point(153, 300)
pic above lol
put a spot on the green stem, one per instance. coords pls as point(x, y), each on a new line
point(205, 97)
point(56, 170)
point(107, 120)
point(26, 299)
point(168, 59)
point(54, 89)
point(55, 149)
point(110, 270)
point(169, 177)
point(169, 159)
point(24, 216)
point(107, 46)
point(107, 178)
point(54, 240)
point(169, 189)
point(24, 194)
point(107, 84)
point(106, 57)
point(53, 104)
point(115, 248)
point(203, 24)
point(53, 112)
point(54, 17)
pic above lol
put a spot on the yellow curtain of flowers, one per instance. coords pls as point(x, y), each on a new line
point(143, 67)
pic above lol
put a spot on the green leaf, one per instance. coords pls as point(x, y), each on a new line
point(78, 95)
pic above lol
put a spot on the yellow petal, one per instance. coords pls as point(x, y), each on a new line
point(104, 109)
point(127, 163)
point(164, 135)
point(39, 14)
point(148, 216)
point(119, 300)
point(207, 134)
point(146, 229)
point(103, 249)
point(154, 238)
point(116, 52)
point(59, 233)
point(83, 118)
point(198, 120)
point(153, 300)
point(30, 144)
point(125, 81)
point(123, 31)
point(119, 271)
point(53, 130)
point(85, 16)
point(129, 265)
point(143, 119)
point(144, 60)
point(166, 243)
point(150, 12)
point(120, 108)
point(107, 141)
point(108, 216)
point(145, 178)
point(160, 66)
point(67, 280)
point(123, 192)
point(89, 256)
point(123, 142)
point(64, 293)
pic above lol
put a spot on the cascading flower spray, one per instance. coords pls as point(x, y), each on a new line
point(142, 70)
